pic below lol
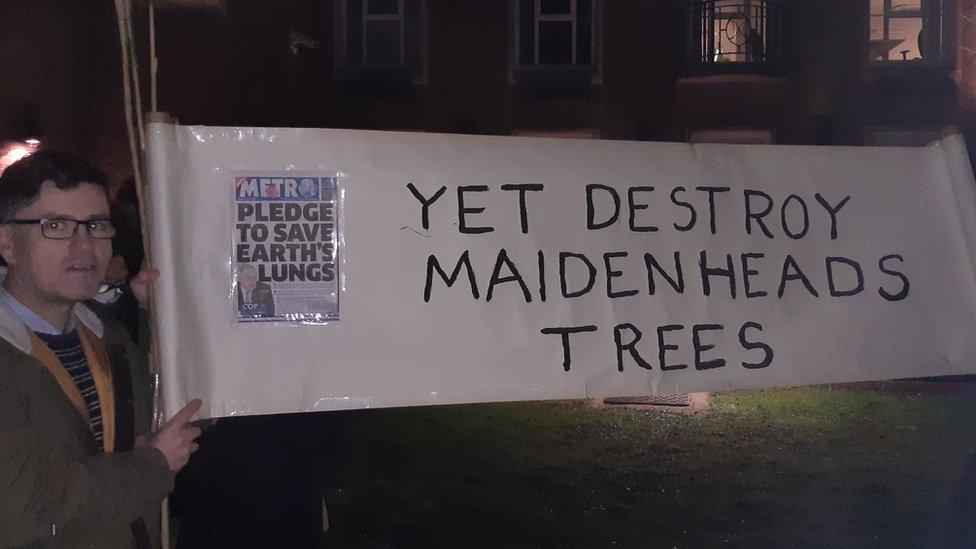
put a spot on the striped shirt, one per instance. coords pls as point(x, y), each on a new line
point(67, 347)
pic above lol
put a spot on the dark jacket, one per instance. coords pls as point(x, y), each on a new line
point(57, 489)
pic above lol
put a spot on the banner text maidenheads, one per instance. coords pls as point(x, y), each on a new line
point(733, 274)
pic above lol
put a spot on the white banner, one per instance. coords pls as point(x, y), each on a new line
point(367, 269)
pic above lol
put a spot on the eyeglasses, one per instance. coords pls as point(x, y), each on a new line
point(63, 229)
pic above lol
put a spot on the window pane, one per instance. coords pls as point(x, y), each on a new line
point(554, 7)
point(526, 31)
point(383, 42)
point(878, 45)
point(877, 27)
point(727, 6)
point(383, 7)
point(584, 42)
point(584, 9)
point(877, 7)
point(725, 49)
point(354, 31)
point(555, 42)
point(904, 38)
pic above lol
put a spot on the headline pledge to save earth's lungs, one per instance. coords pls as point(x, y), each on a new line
point(733, 275)
point(301, 246)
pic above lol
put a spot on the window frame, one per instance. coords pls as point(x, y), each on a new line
point(938, 11)
point(573, 16)
point(406, 64)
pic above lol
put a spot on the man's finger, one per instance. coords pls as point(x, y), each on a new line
point(193, 432)
point(146, 276)
point(184, 415)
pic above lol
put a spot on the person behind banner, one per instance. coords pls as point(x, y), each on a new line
point(77, 465)
point(254, 299)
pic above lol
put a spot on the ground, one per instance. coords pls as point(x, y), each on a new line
point(821, 467)
point(814, 467)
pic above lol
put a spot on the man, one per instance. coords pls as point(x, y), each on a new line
point(74, 391)
point(254, 299)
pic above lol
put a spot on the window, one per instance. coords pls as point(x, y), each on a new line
point(905, 31)
point(733, 35)
point(555, 33)
point(381, 34)
point(375, 32)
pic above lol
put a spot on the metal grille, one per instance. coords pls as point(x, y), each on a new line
point(733, 34)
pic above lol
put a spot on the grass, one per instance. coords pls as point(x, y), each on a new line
point(813, 467)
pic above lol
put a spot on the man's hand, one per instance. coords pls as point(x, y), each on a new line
point(176, 439)
point(141, 284)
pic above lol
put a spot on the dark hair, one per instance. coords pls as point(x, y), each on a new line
point(21, 181)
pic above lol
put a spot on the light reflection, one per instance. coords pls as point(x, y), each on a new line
point(13, 151)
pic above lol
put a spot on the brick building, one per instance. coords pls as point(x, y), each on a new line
point(844, 72)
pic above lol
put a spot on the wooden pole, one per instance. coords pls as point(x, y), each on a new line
point(153, 61)
point(135, 130)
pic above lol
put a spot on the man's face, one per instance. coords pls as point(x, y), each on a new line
point(249, 280)
point(58, 271)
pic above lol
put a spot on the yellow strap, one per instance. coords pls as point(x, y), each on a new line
point(101, 374)
point(43, 353)
point(101, 371)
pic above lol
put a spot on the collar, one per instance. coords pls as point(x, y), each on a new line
point(15, 327)
point(31, 319)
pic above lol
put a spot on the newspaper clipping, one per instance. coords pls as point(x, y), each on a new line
point(285, 248)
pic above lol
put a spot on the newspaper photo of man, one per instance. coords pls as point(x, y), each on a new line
point(254, 299)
